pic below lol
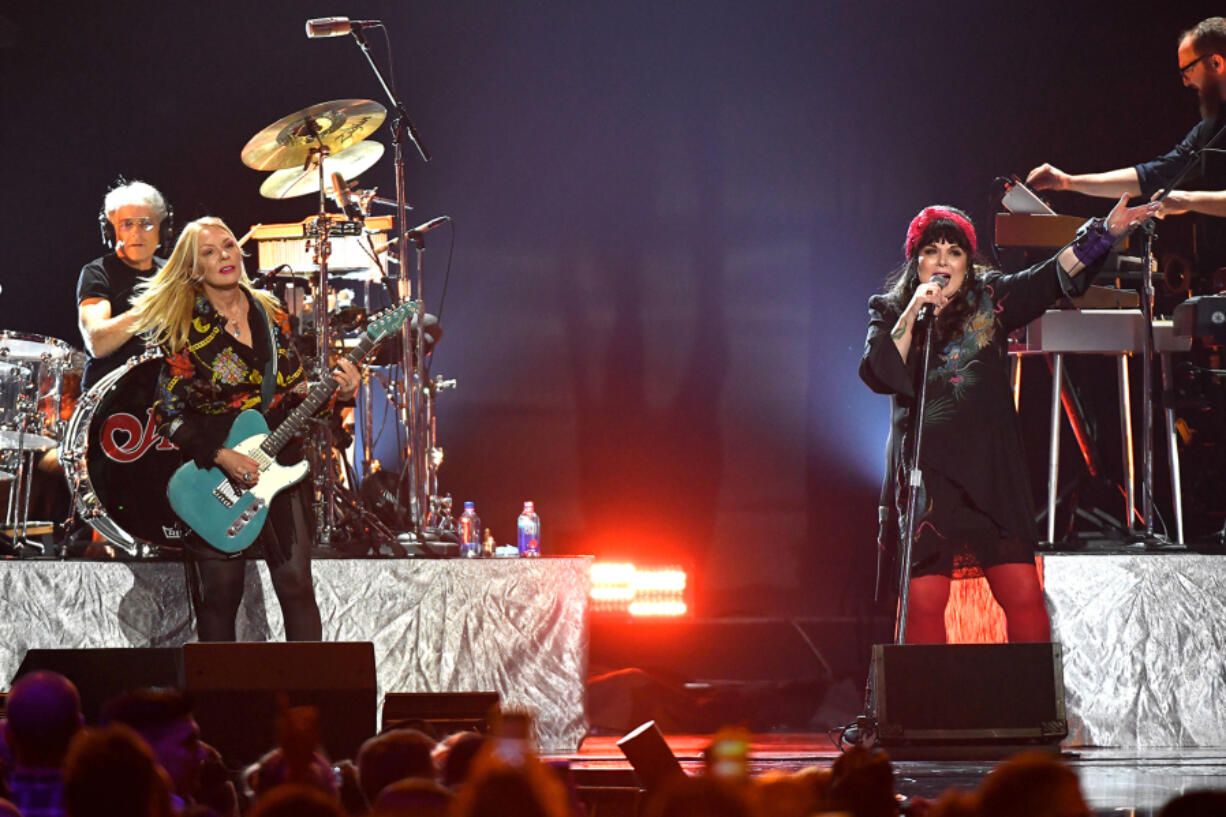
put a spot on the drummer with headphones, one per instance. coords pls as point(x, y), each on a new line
point(135, 222)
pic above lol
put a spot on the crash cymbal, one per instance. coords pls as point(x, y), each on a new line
point(295, 181)
point(337, 125)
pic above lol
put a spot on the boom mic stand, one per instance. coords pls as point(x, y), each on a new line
point(411, 392)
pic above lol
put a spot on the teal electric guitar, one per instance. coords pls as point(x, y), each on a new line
point(229, 516)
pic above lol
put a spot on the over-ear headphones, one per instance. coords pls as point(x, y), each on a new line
point(166, 232)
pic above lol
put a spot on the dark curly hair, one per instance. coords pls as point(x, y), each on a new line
point(901, 283)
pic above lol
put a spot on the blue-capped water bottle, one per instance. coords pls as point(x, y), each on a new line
point(529, 532)
point(470, 532)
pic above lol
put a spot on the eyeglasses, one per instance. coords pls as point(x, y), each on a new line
point(1184, 69)
point(145, 224)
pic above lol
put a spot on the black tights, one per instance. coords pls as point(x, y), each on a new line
point(221, 583)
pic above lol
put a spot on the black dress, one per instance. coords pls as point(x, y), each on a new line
point(976, 502)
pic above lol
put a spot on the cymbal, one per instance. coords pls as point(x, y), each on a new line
point(295, 181)
point(337, 125)
point(10, 438)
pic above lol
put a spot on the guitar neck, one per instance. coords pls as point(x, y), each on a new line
point(319, 395)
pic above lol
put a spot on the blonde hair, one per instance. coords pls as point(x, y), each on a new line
point(164, 302)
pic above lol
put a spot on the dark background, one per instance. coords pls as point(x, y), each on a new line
point(668, 219)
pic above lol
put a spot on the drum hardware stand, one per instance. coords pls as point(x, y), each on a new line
point(441, 511)
point(319, 231)
point(381, 536)
point(17, 518)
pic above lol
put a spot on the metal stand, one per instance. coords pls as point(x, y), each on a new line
point(914, 480)
point(412, 397)
point(1148, 536)
point(321, 249)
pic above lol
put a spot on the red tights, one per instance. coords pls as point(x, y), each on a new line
point(1015, 587)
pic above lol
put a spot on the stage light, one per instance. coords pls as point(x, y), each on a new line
point(623, 588)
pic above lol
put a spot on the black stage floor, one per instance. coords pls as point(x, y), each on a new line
point(1115, 781)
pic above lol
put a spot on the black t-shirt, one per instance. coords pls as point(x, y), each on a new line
point(1208, 174)
point(110, 278)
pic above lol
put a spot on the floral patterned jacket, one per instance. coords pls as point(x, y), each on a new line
point(204, 386)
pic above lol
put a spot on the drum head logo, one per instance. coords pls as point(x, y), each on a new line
point(126, 439)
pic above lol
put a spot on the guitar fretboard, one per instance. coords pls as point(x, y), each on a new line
point(277, 440)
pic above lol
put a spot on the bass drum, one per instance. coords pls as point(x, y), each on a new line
point(117, 465)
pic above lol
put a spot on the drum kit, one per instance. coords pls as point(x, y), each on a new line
point(330, 270)
point(40, 379)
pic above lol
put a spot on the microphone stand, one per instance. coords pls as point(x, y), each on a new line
point(411, 386)
point(914, 481)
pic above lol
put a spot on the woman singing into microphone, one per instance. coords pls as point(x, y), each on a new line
point(975, 512)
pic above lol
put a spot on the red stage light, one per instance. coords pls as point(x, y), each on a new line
point(623, 588)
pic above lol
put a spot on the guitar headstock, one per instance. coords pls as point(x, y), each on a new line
point(389, 321)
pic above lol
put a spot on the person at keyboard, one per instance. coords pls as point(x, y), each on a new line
point(1202, 67)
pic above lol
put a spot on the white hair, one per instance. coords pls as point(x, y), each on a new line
point(138, 193)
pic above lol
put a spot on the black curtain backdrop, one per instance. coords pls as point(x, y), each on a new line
point(668, 219)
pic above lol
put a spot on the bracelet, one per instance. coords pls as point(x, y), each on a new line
point(1093, 241)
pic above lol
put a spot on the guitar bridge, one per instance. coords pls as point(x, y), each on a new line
point(226, 493)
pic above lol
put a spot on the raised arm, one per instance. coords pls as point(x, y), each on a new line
point(102, 332)
point(1109, 184)
point(1208, 202)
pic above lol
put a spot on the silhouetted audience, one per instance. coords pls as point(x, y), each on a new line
point(44, 714)
point(453, 757)
point(508, 780)
point(111, 772)
point(789, 794)
point(273, 770)
point(862, 784)
point(1202, 803)
point(148, 761)
point(296, 800)
point(1032, 784)
point(216, 790)
point(395, 755)
point(163, 718)
point(698, 797)
point(955, 803)
point(413, 798)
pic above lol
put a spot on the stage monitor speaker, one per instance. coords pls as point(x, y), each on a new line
point(952, 699)
point(653, 761)
point(103, 673)
point(442, 713)
point(235, 686)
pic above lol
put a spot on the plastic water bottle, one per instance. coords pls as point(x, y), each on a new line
point(529, 532)
point(470, 532)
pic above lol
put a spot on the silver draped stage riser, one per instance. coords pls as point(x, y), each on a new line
point(1144, 640)
point(516, 626)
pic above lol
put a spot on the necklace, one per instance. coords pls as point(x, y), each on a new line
point(232, 324)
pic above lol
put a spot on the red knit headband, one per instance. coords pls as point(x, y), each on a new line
point(930, 214)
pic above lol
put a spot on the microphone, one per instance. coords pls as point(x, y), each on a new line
point(926, 310)
point(422, 229)
point(345, 199)
point(336, 26)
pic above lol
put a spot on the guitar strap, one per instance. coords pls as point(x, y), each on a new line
point(268, 387)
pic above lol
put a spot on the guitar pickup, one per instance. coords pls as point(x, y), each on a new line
point(246, 516)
